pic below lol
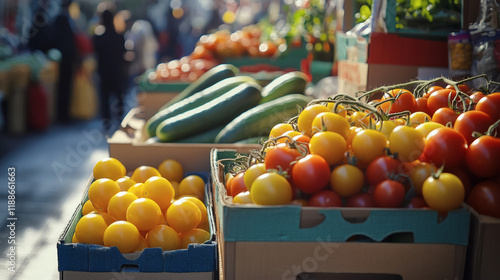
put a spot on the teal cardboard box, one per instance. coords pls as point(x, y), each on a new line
point(311, 240)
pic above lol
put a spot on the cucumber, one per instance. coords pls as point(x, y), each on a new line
point(258, 121)
point(194, 101)
point(209, 78)
point(291, 82)
point(251, 140)
point(216, 112)
point(203, 137)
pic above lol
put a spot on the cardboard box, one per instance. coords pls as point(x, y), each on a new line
point(87, 261)
point(388, 59)
point(484, 248)
point(128, 146)
point(285, 242)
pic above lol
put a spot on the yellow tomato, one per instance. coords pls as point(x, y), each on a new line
point(109, 168)
point(192, 185)
point(125, 183)
point(160, 190)
point(243, 198)
point(100, 191)
point(144, 172)
point(196, 236)
point(118, 205)
point(306, 117)
point(136, 189)
point(90, 229)
point(164, 237)
point(144, 213)
point(87, 208)
point(279, 129)
point(123, 235)
point(201, 206)
point(183, 215)
point(171, 170)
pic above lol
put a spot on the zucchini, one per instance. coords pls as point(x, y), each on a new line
point(288, 83)
point(216, 112)
point(194, 101)
point(258, 121)
point(209, 78)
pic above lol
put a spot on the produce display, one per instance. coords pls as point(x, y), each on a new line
point(212, 49)
point(223, 107)
point(424, 144)
point(153, 207)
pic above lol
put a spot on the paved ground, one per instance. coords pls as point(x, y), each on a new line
point(51, 169)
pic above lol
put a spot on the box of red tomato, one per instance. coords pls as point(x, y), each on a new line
point(290, 241)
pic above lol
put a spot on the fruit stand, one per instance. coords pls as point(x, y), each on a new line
point(346, 140)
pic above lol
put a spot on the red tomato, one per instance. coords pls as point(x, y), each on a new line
point(471, 121)
point(463, 87)
point(404, 102)
point(431, 90)
point(311, 174)
point(445, 115)
point(237, 184)
point(485, 198)
point(361, 200)
point(445, 146)
point(464, 175)
point(476, 96)
point(417, 202)
point(389, 194)
point(483, 155)
point(439, 99)
point(326, 198)
point(281, 157)
point(382, 168)
point(490, 104)
point(422, 105)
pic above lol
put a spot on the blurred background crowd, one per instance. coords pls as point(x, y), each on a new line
point(51, 51)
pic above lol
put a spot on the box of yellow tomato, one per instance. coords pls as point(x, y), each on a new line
point(165, 253)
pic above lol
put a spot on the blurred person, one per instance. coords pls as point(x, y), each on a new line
point(65, 43)
point(109, 47)
point(144, 45)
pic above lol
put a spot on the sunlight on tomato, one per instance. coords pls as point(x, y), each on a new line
point(279, 129)
point(444, 193)
point(87, 208)
point(271, 189)
point(254, 171)
point(201, 206)
point(144, 172)
point(125, 183)
point(109, 168)
point(159, 190)
point(346, 180)
point(123, 235)
point(144, 213)
point(192, 185)
point(164, 237)
point(306, 117)
point(368, 145)
point(407, 142)
point(100, 191)
point(196, 236)
point(183, 215)
point(136, 189)
point(426, 128)
point(331, 122)
point(171, 170)
point(329, 145)
point(90, 229)
point(243, 198)
point(118, 205)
